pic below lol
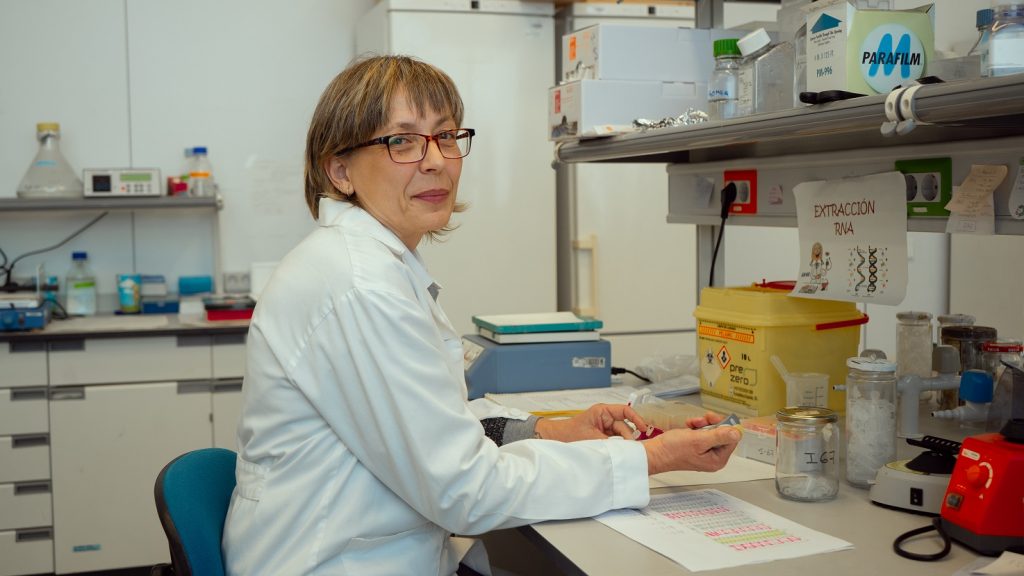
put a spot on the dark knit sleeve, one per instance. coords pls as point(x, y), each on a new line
point(505, 430)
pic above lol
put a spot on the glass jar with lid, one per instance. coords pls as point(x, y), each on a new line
point(870, 418)
point(913, 344)
point(806, 463)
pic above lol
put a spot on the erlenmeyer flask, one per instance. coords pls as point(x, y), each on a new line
point(49, 175)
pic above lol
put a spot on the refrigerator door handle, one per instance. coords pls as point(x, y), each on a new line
point(588, 307)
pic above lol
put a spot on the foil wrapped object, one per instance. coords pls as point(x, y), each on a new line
point(691, 116)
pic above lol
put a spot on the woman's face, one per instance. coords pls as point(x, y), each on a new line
point(409, 199)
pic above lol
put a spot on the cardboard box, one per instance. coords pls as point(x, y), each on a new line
point(867, 51)
point(582, 108)
point(631, 52)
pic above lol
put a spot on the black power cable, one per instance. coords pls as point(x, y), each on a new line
point(9, 269)
point(617, 370)
point(728, 197)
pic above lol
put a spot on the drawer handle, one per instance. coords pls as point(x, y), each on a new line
point(33, 534)
point(68, 393)
point(30, 440)
point(229, 339)
point(27, 488)
point(227, 385)
point(184, 341)
point(17, 346)
point(73, 345)
point(28, 394)
point(193, 386)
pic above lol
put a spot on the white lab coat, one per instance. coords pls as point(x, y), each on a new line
point(358, 451)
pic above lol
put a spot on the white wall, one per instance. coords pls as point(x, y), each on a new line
point(134, 83)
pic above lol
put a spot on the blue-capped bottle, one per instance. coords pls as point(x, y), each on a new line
point(200, 177)
point(983, 21)
point(81, 287)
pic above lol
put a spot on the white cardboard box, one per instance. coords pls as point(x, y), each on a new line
point(631, 52)
point(585, 107)
point(867, 51)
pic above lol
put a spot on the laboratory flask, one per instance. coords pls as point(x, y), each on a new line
point(806, 466)
point(870, 418)
point(49, 175)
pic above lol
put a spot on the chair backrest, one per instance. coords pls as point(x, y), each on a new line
point(192, 496)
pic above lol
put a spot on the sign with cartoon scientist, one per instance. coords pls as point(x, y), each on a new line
point(853, 239)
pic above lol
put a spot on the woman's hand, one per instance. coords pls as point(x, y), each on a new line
point(700, 450)
point(597, 422)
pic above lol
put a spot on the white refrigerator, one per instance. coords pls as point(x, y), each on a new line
point(619, 259)
point(501, 55)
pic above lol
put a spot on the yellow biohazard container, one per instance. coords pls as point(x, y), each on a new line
point(739, 329)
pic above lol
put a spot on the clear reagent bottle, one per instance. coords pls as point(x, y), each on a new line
point(766, 74)
point(49, 175)
point(983, 21)
point(81, 286)
point(1006, 41)
point(722, 89)
point(200, 177)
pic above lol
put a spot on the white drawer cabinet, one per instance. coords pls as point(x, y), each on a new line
point(24, 364)
point(114, 360)
point(25, 505)
point(23, 411)
point(229, 355)
point(109, 443)
point(24, 457)
point(28, 551)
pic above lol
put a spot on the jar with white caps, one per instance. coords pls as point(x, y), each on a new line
point(806, 463)
point(870, 418)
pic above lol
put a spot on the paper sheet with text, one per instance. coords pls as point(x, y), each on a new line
point(853, 239)
point(972, 209)
point(708, 530)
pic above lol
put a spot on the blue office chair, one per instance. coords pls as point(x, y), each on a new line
point(192, 496)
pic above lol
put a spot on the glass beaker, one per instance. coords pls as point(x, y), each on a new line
point(806, 467)
point(806, 389)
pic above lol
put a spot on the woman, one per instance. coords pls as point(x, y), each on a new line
point(358, 450)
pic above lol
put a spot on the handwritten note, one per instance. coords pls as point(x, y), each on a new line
point(853, 239)
point(972, 210)
point(708, 530)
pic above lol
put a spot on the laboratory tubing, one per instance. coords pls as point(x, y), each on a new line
point(969, 341)
point(983, 21)
point(913, 344)
point(870, 418)
point(200, 176)
point(765, 74)
point(806, 466)
point(976, 392)
point(946, 365)
point(81, 287)
point(723, 85)
point(49, 175)
point(1006, 41)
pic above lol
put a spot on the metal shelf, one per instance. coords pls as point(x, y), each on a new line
point(965, 110)
point(155, 203)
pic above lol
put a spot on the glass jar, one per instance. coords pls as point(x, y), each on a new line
point(914, 344)
point(806, 467)
point(994, 353)
point(870, 418)
point(968, 340)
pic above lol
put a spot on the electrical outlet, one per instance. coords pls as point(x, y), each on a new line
point(236, 282)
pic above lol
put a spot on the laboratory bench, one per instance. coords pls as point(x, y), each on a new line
point(587, 546)
point(91, 409)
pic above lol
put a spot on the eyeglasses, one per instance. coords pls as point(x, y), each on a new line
point(407, 148)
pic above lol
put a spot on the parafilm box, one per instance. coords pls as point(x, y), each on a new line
point(867, 51)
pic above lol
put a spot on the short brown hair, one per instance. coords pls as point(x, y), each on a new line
point(357, 103)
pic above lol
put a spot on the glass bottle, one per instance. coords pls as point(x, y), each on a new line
point(806, 467)
point(913, 344)
point(723, 85)
point(49, 175)
point(200, 178)
point(81, 287)
point(870, 418)
point(765, 75)
point(1006, 41)
point(983, 21)
point(799, 65)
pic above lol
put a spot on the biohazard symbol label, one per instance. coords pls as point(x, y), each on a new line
point(723, 357)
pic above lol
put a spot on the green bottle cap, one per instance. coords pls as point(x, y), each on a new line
point(727, 46)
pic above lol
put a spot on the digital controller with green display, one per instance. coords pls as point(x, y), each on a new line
point(120, 182)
